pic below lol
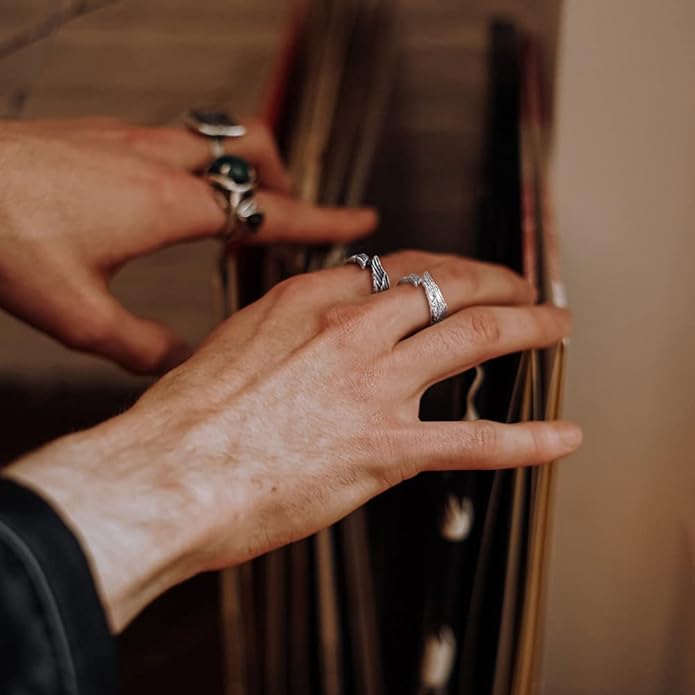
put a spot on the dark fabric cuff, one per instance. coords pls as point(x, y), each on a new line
point(53, 623)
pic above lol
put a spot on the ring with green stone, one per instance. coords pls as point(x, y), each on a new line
point(233, 179)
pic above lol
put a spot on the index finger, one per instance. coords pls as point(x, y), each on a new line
point(177, 146)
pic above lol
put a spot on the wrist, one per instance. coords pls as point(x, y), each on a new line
point(126, 505)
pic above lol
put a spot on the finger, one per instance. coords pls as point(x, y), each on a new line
point(295, 221)
point(173, 145)
point(177, 207)
point(311, 295)
point(472, 336)
point(188, 210)
point(404, 309)
point(72, 128)
point(350, 284)
point(179, 147)
point(463, 283)
point(139, 345)
point(486, 445)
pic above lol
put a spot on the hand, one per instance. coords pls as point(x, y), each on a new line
point(297, 410)
point(81, 198)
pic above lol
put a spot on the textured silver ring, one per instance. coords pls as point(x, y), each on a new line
point(360, 259)
point(215, 125)
point(412, 279)
point(380, 278)
point(435, 299)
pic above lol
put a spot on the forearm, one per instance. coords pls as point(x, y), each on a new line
point(125, 512)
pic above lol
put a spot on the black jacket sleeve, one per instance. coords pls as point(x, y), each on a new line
point(54, 638)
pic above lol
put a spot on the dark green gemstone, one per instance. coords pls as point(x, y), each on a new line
point(236, 168)
point(255, 220)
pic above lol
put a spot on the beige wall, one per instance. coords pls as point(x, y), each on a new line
point(622, 598)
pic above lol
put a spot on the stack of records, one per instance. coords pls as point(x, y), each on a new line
point(437, 586)
point(302, 620)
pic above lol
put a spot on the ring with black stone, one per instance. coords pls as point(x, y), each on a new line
point(214, 124)
point(234, 181)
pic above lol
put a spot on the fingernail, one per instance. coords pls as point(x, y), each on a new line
point(570, 435)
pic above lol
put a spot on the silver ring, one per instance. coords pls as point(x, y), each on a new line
point(413, 279)
point(233, 179)
point(380, 278)
point(216, 147)
point(215, 125)
point(360, 259)
point(435, 299)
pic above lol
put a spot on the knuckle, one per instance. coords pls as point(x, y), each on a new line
point(294, 288)
point(484, 439)
point(482, 326)
point(449, 339)
point(393, 465)
point(345, 321)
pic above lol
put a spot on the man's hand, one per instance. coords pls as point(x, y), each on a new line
point(78, 199)
point(295, 411)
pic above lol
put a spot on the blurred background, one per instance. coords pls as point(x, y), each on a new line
point(621, 607)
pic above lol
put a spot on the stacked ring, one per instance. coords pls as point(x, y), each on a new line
point(435, 299)
point(380, 278)
point(380, 282)
point(213, 124)
point(234, 180)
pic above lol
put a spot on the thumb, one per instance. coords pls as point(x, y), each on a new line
point(140, 345)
